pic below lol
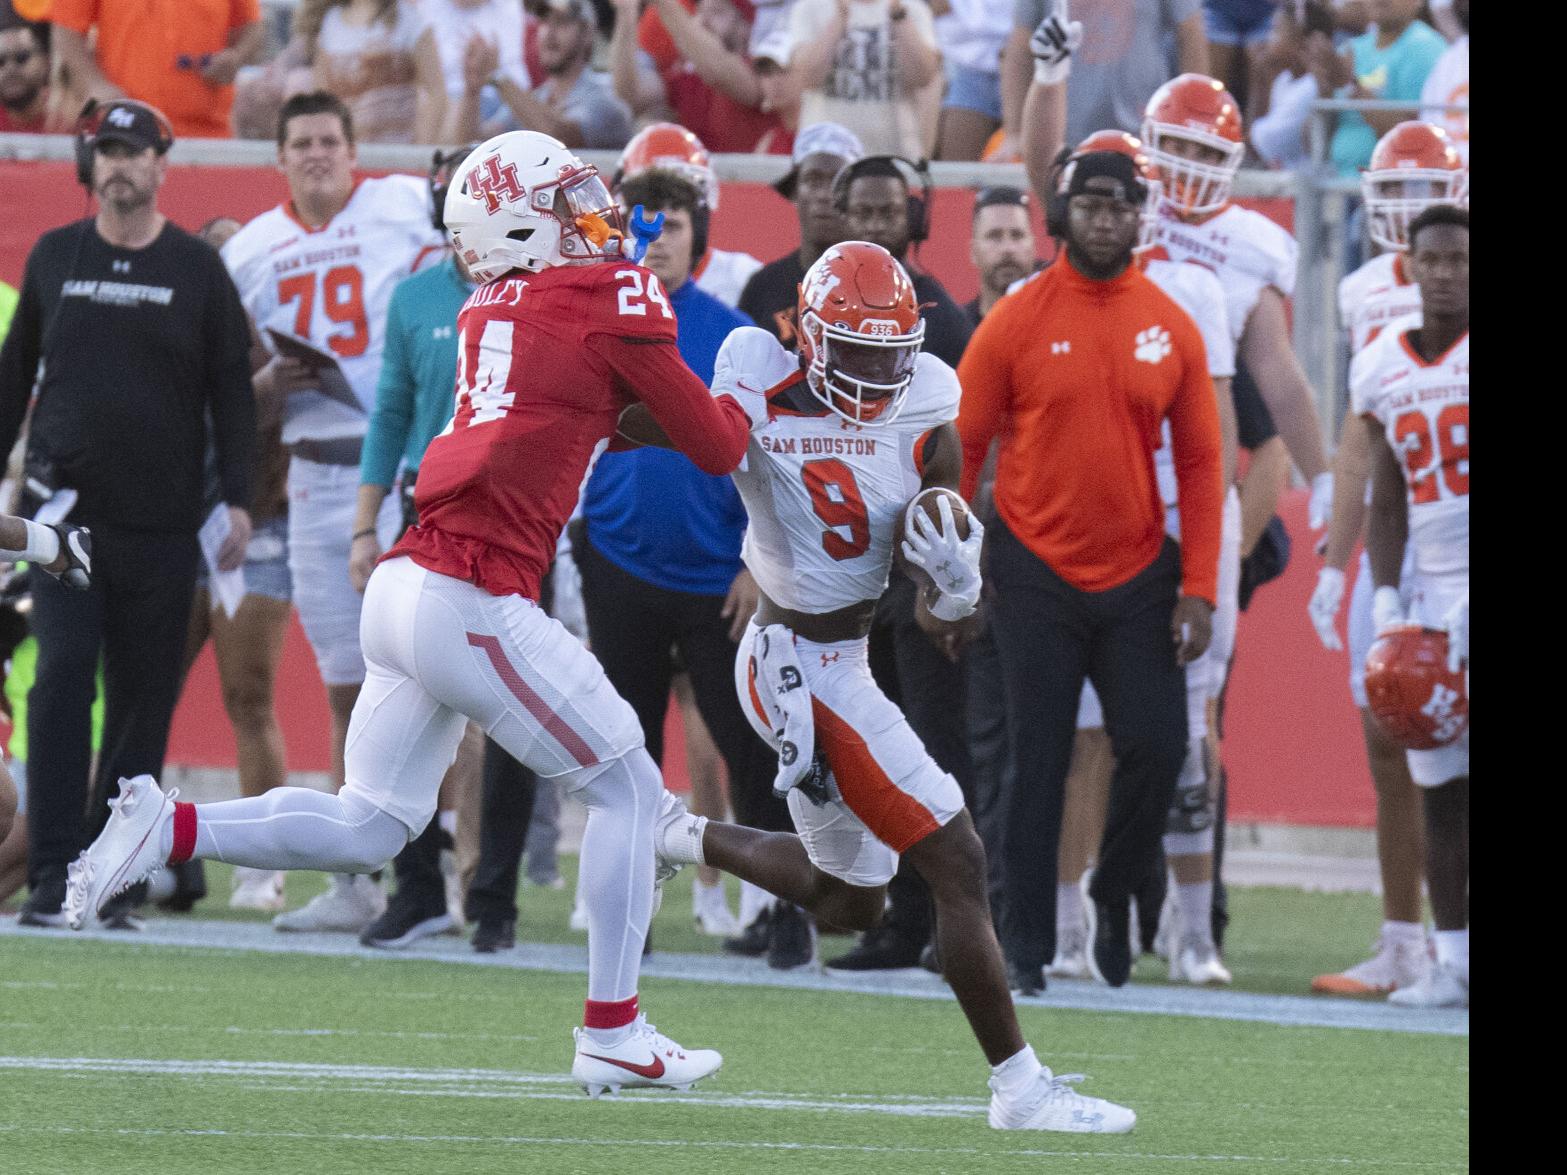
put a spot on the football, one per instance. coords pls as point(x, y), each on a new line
point(930, 504)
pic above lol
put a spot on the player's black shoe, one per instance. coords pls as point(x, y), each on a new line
point(1109, 944)
point(495, 934)
point(880, 949)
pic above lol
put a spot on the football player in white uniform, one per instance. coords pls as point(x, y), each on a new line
point(1414, 166)
point(668, 145)
point(1189, 836)
point(321, 268)
point(852, 446)
point(1192, 132)
point(1411, 386)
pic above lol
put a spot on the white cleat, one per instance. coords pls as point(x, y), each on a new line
point(677, 837)
point(1051, 1103)
point(350, 904)
point(1197, 962)
point(646, 1059)
point(257, 889)
point(1394, 964)
point(711, 910)
point(1440, 987)
point(127, 850)
point(1071, 961)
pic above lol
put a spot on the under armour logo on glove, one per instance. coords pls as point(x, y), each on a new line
point(1153, 344)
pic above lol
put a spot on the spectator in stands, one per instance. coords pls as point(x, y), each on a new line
point(821, 151)
point(463, 29)
point(874, 198)
point(1448, 83)
point(573, 103)
point(1286, 87)
point(1237, 30)
point(1389, 62)
point(24, 76)
point(706, 77)
point(873, 66)
point(380, 57)
point(139, 334)
point(248, 645)
point(1122, 58)
point(1001, 245)
point(1086, 583)
point(659, 552)
point(181, 58)
point(971, 35)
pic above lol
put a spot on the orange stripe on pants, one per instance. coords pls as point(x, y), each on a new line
point(897, 818)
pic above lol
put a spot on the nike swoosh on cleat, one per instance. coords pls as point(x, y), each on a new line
point(653, 1071)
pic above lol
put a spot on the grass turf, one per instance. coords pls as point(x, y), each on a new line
point(133, 1058)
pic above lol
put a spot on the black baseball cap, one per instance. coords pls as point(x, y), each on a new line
point(135, 124)
point(1004, 194)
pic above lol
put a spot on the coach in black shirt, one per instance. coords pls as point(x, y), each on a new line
point(134, 333)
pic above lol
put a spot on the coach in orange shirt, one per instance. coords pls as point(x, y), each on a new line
point(1077, 373)
point(178, 55)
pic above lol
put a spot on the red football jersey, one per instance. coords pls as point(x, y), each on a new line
point(546, 363)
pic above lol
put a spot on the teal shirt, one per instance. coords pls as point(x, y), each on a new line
point(1394, 74)
point(416, 394)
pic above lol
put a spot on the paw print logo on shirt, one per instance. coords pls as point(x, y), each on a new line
point(1153, 344)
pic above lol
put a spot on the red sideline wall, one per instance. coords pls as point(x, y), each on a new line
point(1293, 738)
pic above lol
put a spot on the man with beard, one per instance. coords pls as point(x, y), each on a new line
point(1002, 247)
point(134, 334)
point(24, 77)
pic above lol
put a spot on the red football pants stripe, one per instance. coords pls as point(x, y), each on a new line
point(554, 725)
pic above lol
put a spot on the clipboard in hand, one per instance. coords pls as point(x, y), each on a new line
point(333, 383)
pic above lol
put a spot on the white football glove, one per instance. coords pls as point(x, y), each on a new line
point(1456, 622)
point(1324, 606)
point(780, 683)
point(951, 562)
point(1053, 43)
point(1320, 509)
point(1387, 610)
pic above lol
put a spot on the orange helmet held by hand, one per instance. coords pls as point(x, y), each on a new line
point(1188, 115)
point(860, 332)
point(670, 147)
point(1411, 692)
point(1413, 166)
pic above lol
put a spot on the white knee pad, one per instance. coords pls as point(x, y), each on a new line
point(1189, 829)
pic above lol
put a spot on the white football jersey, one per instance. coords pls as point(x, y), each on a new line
point(332, 285)
point(1374, 295)
point(1423, 409)
point(1196, 290)
point(723, 274)
point(826, 497)
point(1246, 251)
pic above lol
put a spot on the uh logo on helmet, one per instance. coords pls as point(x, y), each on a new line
point(1410, 690)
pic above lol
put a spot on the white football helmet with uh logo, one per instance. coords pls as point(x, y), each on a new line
point(522, 200)
point(860, 332)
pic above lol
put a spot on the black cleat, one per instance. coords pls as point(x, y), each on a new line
point(879, 949)
point(752, 941)
point(1109, 945)
point(190, 886)
point(408, 918)
point(45, 903)
point(495, 934)
point(792, 941)
point(1025, 981)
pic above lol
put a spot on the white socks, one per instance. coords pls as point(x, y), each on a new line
point(1069, 907)
point(1452, 950)
point(1194, 905)
point(1016, 1073)
point(43, 545)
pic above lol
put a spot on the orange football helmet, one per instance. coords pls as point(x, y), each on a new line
point(1411, 692)
point(669, 146)
point(860, 332)
point(1132, 147)
point(1413, 166)
point(1199, 112)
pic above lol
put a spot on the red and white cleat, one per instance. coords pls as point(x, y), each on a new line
point(646, 1059)
point(127, 850)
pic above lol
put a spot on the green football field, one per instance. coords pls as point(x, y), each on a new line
point(131, 1054)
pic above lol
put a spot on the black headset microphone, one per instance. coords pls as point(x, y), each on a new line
point(914, 175)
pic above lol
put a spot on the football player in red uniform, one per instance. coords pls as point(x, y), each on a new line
point(563, 335)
